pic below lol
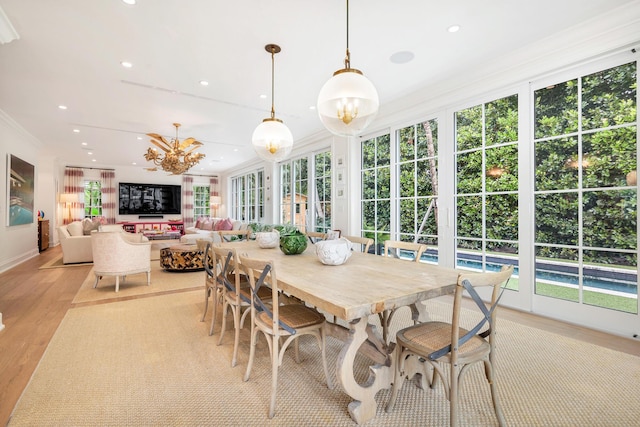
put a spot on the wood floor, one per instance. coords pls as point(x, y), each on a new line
point(33, 303)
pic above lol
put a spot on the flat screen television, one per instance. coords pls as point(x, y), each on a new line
point(149, 199)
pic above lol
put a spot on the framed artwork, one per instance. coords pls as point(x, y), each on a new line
point(340, 192)
point(20, 189)
point(340, 175)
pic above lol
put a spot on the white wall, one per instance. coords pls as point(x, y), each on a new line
point(24, 238)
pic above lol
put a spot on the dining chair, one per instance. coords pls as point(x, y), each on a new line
point(364, 242)
point(212, 284)
point(235, 294)
point(276, 322)
point(440, 343)
point(397, 249)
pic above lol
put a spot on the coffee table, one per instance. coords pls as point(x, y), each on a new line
point(181, 258)
point(161, 234)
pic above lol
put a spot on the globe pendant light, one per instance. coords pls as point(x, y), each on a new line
point(348, 102)
point(272, 140)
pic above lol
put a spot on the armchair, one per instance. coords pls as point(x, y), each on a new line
point(116, 253)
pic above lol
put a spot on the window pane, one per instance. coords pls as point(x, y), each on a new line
point(384, 150)
point(407, 143)
point(557, 218)
point(608, 97)
point(556, 109)
point(383, 183)
point(469, 128)
point(407, 218)
point(502, 168)
point(427, 131)
point(613, 285)
point(469, 174)
point(557, 279)
point(368, 184)
point(469, 216)
point(557, 164)
point(502, 120)
point(609, 155)
point(609, 219)
point(425, 177)
point(407, 179)
point(502, 216)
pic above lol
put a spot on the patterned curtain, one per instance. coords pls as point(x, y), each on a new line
point(108, 189)
point(214, 191)
point(74, 185)
point(187, 200)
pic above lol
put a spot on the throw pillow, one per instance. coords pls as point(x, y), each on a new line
point(207, 225)
point(226, 224)
point(88, 226)
point(75, 228)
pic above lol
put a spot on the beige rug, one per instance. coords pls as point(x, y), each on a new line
point(57, 263)
point(150, 362)
point(136, 284)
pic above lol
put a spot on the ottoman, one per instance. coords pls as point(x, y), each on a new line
point(181, 258)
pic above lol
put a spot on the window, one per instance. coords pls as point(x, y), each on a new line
point(294, 192)
point(486, 138)
point(585, 136)
point(201, 198)
point(418, 185)
point(92, 199)
point(376, 189)
point(247, 196)
point(322, 211)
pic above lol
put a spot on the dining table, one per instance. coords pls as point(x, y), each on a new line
point(364, 285)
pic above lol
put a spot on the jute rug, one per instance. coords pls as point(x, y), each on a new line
point(57, 263)
point(136, 284)
point(150, 361)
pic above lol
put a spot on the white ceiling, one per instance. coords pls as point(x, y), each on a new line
point(69, 53)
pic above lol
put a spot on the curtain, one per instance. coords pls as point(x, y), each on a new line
point(74, 186)
point(108, 189)
point(187, 200)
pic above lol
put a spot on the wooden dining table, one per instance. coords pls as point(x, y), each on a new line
point(364, 285)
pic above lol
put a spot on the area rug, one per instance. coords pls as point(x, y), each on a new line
point(162, 281)
point(151, 362)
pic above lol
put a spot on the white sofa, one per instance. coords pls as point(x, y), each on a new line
point(75, 239)
point(207, 229)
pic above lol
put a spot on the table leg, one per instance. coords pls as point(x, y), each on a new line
point(364, 406)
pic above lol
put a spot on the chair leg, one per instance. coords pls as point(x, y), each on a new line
point(252, 351)
point(216, 303)
point(323, 349)
point(149, 278)
point(207, 291)
point(225, 309)
point(117, 283)
point(95, 285)
point(275, 361)
point(454, 380)
point(236, 337)
point(488, 368)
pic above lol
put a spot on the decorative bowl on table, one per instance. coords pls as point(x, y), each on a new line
point(333, 252)
point(268, 239)
point(293, 244)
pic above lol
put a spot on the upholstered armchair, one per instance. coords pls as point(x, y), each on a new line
point(119, 254)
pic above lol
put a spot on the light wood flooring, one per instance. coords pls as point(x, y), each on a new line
point(33, 303)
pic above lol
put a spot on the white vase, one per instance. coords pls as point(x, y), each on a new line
point(333, 252)
point(268, 239)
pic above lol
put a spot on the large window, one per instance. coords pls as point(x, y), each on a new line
point(247, 197)
point(322, 200)
point(92, 199)
point(201, 205)
point(487, 185)
point(585, 189)
point(376, 189)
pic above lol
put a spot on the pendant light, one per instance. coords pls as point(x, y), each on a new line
point(272, 140)
point(348, 102)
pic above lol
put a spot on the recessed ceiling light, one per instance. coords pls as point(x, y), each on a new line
point(235, 149)
point(312, 107)
point(263, 96)
point(133, 163)
point(131, 2)
point(89, 153)
point(126, 64)
point(62, 107)
point(139, 138)
point(84, 143)
point(454, 28)
point(402, 57)
point(204, 83)
point(93, 160)
point(76, 131)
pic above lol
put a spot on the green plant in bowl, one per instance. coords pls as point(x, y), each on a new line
point(292, 241)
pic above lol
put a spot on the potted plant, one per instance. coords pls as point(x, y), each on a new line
point(292, 241)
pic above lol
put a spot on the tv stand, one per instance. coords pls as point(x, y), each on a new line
point(139, 226)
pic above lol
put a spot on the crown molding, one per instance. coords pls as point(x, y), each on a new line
point(7, 32)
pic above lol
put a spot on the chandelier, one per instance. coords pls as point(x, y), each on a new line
point(272, 140)
point(348, 102)
point(175, 159)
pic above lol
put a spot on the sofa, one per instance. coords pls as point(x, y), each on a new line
point(75, 239)
point(206, 228)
